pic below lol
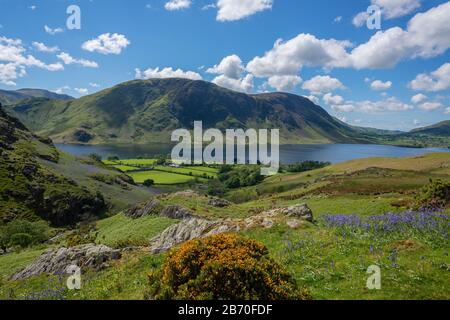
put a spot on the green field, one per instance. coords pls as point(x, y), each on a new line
point(159, 177)
point(162, 175)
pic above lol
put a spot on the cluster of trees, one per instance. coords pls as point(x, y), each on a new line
point(304, 166)
point(240, 176)
point(21, 233)
point(435, 195)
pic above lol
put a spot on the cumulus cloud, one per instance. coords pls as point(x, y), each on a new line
point(94, 85)
point(39, 46)
point(418, 98)
point(322, 84)
point(177, 4)
point(230, 66)
point(232, 10)
point(82, 91)
point(107, 44)
point(68, 59)
point(53, 31)
point(158, 73)
point(426, 36)
point(331, 100)
point(313, 99)
point(14, 61)
point(431, 106)
point(284, 83)
point(389, 104)
point(244, 84)
point(360, 19)
point(287, 58)
point(390, 9)
point(447, 110)
point(437, 80)
point(379, 85)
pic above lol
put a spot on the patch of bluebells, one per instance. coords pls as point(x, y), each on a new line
point(433, 225)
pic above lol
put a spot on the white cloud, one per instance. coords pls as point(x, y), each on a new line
point(418, 98)
point(15, 61)
point(287, 58)
point(177, 4)
point(82, 91)
point(397, 8)
point(426, 36)
point(284, 83)
point(10, 72)
point(68, 59)
point(94, 85)
point(360, 19)
point(437, 80)
point(33, 7)
point(166, 73)
point(62, 89)
point(313, 99)
point(209, 6)
point(338, 19)
point(232, 10)
point(389, 104)
point(447, 110)
point(244, 84)
point(390, 9)
point(344, 108)
point(322, 84)
point(39, 46)
point(331, 100)
point(107, 44)
point(230, 66)
point(380, 85)
point(431, 106)
point(53, 31)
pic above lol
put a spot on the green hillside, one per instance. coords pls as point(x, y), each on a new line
point(39, 182)
point(8, 97)
point(148, 111)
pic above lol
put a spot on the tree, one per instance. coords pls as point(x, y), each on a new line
point(149, 182)
point(95, 157)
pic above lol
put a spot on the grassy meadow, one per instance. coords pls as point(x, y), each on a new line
point(358, 208)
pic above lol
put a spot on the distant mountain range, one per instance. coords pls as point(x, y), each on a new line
point(143, 111)
point(8, 97)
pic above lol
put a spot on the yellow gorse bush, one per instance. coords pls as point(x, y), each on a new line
point(225, 266)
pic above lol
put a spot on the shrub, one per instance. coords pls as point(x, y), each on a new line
point(435, 195)
point(22, 240)
point(225, 266)
point(23, 233)
point(149, 183)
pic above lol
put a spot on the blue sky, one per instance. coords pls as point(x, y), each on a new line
point(365, 77)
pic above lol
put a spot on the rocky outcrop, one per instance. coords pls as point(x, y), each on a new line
point(194, 227)
point(301, 211)
point(175, 212)
point(219, 203)
point(56, 261)
point(149, 208)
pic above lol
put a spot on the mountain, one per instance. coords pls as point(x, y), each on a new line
point(439, 129)
point(8, 97)
point(39, 182)
point(143, 111)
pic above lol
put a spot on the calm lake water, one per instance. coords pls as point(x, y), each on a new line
point(288, 153)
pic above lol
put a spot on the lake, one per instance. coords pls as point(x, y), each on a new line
point(288, 153)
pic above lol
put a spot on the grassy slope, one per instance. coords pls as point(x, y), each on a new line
point(332, 266)
point(148, 111)
point(30, 165)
